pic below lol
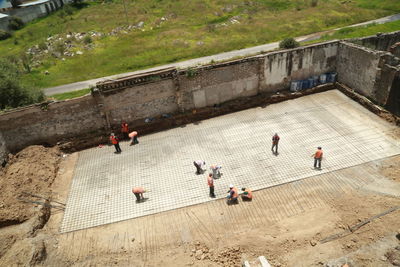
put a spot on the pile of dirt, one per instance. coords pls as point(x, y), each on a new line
point(30, 172)
point(231, 256)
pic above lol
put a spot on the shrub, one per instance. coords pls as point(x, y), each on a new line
point(4, 35)
point(15, 23)
point(87, 39)
point(42, 46)
point(288, 43)
point(68, 10)
point(12, 93)
point(314, 3)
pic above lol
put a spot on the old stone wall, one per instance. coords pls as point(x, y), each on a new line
point(215, 84)
point(49, 124)
point(393, 102)
point(381, 42)
point(280, 68)
point(3, 149)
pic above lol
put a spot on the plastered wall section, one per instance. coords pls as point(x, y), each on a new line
point(281, 68)
point(212, 85)
point(60, 121)
point(142, 101)
point(357, 68)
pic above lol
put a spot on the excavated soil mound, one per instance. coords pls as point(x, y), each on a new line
point(29, 172)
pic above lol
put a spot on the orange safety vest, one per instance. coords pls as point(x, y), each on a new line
point(124, 128)
point(235, 192)
point(210, 181)
point(114, 140)
point(249, 193)
point(318, 154)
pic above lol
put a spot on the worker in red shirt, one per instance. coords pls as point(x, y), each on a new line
point(318, 158)
point(125, 130)
point(115, 141)
point(275, 141)
point(210, 182)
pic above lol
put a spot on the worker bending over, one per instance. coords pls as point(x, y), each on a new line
point(247, 194)
point(233, 195)
point(138, 191)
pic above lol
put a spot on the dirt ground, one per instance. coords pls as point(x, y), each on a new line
point(287, 224)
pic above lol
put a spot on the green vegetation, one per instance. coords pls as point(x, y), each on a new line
point(12, 94)
point(288, 43)
point(4, 35)
point(70, 95)
point(15, 23)
point(361, 31)
point(173, 30)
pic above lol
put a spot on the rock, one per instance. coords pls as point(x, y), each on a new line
point(313, 243)
point(200, 43)
point(46, 72)
point(349, 245)
point(79, 52)
point(133, 239)
point(383, 258)
point(140, 25)
point(163, 19)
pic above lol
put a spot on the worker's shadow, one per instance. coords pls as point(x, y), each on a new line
point(142, 200)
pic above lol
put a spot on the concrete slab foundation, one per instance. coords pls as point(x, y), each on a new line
point(240, 142)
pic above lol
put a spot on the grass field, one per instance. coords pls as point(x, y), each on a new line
point(203, 27)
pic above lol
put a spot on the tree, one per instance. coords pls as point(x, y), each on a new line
point(288, 43)
point(12, 93)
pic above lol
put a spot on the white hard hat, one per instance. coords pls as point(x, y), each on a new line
point(231, 186)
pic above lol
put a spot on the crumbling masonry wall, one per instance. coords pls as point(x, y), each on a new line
point(88, 120)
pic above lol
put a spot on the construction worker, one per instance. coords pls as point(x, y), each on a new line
point(247, 194)
point(115, 141)
point(317, 157)
point(215, 171)
point(138, 191)
point(125, 130)
point(133, 135)
point(275, 141)
point(210, 182)
point(199, 166)
point(233, 195)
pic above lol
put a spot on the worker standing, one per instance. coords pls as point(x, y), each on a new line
point(210, 182)
point(138, 192)
point(318, 158)
point(275, 141)
point(216, 171)
point(133, 136)
point(233, 195)
point(125, 130)
point(247, 194)
point(199, 166)
point(115, 141)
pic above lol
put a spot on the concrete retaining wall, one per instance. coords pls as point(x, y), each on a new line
point(369, 72)
point(282, 67)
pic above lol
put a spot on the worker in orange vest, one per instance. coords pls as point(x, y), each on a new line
point(210, 182)
point(318, 158)
point(138, 191)
point(233, 195)
point(125, 130)
point(133, 135)
point(275, 141)
point(115, 141)
point(247, 194)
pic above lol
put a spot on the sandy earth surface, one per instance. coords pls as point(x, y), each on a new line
point(287, 224)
